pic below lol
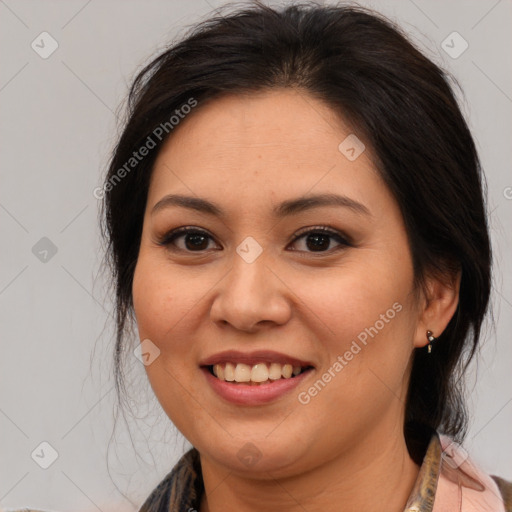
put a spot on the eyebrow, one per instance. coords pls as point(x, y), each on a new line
point(284, 209)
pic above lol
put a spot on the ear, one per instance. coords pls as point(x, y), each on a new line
point(437, 307)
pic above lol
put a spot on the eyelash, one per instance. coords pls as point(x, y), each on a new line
point(169, 238)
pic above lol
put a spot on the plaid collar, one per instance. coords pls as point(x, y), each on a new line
point(423, 492)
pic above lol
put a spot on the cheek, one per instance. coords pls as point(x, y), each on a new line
point(366, 317)
point(368, 326)
point(150, 303)
point(367, 295)
point(161, 302)
point(161, 299)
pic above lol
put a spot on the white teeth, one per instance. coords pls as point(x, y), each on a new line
point(287, 370)
point(275, 371)
point(257, 373)
point(218, 371)
point(229, 372)
point(242, 373)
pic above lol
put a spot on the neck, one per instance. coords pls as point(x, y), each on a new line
point(377, 474)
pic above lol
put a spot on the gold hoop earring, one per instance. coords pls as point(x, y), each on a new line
point(430, 339)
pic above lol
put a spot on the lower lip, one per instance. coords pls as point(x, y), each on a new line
point(245, 394)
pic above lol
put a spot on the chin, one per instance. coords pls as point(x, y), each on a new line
point(257, 455)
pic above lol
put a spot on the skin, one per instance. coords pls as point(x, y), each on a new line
point(346, 446)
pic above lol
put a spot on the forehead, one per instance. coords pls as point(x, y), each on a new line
point(261, 119)
point(275, 143)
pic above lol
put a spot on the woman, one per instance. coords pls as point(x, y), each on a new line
point(295, 217)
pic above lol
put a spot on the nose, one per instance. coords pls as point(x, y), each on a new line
point(251, 296)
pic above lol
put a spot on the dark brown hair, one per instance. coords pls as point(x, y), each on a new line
point(397, 101)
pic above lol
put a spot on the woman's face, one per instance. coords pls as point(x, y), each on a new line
point(254, 282)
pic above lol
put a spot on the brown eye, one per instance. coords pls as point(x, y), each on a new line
point(195, 240)
point(319, 239)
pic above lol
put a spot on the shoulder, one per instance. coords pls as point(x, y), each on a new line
point(463, 481)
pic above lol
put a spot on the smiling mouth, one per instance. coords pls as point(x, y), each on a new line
point(257, 374)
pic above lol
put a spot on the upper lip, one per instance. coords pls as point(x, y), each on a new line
point(252, 358)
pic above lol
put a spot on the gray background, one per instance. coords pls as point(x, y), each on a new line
point(58, 125)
